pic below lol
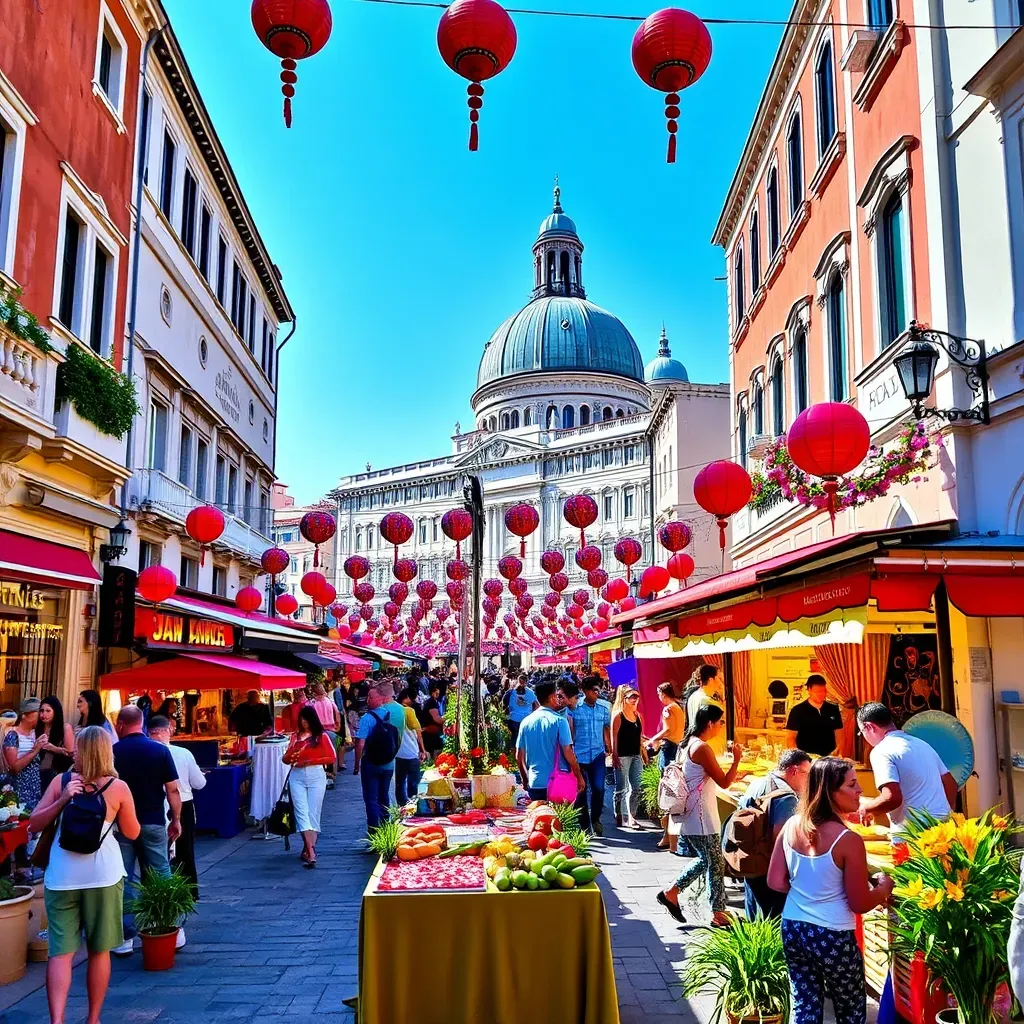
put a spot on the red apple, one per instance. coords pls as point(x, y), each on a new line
point(568, 851)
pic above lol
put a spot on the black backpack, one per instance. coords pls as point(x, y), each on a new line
point(381, 746)
point(82, 820)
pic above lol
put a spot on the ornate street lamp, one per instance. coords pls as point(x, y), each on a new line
point(916, 365)
point(118, 545)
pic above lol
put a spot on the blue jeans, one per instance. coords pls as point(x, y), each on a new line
point(591, 800)
point(627, 786)
point(407, 778)
point(376, 782)
point(148, 853)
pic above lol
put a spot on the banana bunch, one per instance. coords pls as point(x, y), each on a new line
point(499, 847)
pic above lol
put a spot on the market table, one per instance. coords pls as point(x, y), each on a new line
point(461, 939)
point(12, 838)
point(268, 775)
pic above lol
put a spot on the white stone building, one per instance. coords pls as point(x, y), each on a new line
point(209, 308)
point(563, 405)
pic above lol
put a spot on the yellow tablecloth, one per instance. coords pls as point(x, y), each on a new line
point(485, 958)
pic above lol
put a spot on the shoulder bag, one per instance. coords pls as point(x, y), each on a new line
point(281, 821)
point(562, 783)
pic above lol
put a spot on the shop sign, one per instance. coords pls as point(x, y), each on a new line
point(20, 595)
point(163, 629)
point(117, 607)
point(22, 630)
point(846, 592)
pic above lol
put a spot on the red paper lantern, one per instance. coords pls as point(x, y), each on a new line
point(552, 599)
point(405, 569)
point(518, 586)
point(356, 567)
point(580, 510)
point(354, 622)
point(248, 599)
point(457, 525)
point(680, 566)
point(363, 592)
point(275, 560)
point(559, 581)
point(456, 591)
point(629, 551)
point(616, 590)
point(156, 584)
point(318, 528)
point(597, 578)
point(581, 597)
point(674, 535)
point(828, 440)
point(574, 611)
point(722, 488)
point(286, 605)
point(457, 569)
point(671, 50)
point(396, 528)
point(291, 30)
point(522, 520)
point(600, 625)
point(493, 588)
point(204, 525)
point(312, 584)
point(552, 562)
point(427, 590)
point(510, 567)
point(627, 604)
point(366, 612)
point(589, 558)
point(654, 580)
point(477, 40)
point(398, 592)
point(338, 610)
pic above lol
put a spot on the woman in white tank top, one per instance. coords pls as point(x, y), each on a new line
point(822, 867)
point(83, 891)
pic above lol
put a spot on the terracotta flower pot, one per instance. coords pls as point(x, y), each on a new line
point(158, 951)
point(773, 1019)
point(948, 1016)
point(13, 932)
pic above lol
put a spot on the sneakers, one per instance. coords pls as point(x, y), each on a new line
point(125, 949)
point(180, 939)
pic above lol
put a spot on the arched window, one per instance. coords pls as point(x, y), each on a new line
point(757, 408)
point(800, 369)
point(825, 95)
point(568, 417)
point(795, 154)
point(739, 299)
point(584, 415)
point(772, 198)
point(743, 437)
point(552, 418)
point(778, 398)
point(835, 311)
point(565, 271)
point(880, 14)
point(755, 252)
point(527, 417)
point(504, 421)
point(369, 537)
point(619, 414)
point(551, 268)
point(606, 413)
point(892, 296)
point(359, 539)
point(513, 420)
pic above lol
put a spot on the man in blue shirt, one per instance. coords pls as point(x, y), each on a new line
point(592, 722)
point(539, 735)
point(381, 707)
point(519, 702)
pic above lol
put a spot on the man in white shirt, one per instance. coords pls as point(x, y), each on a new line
point(190, 778)
point(909, 775)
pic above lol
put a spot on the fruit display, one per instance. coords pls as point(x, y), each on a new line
point(459, 874)
point(421, 841)
point(532, 872)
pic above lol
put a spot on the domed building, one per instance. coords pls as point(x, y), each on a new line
point(563, 404)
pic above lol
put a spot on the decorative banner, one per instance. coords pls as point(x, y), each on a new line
point(161, 629)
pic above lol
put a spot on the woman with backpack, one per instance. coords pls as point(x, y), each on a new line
point(309, 752)
point(84, 880)
point(695, 774)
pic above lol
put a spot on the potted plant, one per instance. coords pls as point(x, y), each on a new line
point(955, 887)
point(744, 968)
point(15, 902)
point(160, 907)
point(650, 779)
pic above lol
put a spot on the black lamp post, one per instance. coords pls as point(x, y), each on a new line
point(118, 545)
point(916, 365)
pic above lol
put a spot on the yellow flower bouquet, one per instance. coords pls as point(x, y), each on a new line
point(955, 887)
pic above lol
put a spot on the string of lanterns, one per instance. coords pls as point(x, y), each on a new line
point(477, 39)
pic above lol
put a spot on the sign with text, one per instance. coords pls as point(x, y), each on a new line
point(117, 607)
point(185, 632)
point(20, 595)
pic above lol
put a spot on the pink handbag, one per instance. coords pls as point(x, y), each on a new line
point(562, 786)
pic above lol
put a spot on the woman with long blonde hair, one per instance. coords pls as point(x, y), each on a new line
point(822, 867)
point(83, 891)
point(628, 754)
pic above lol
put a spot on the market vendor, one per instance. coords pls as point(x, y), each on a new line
point(252, 718)
point(813, 723)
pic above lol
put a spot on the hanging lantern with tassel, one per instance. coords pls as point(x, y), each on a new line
point(457, 525)
point(318, 528)
point(722, 488)
point(396, 528)
point(580, 510)
point(204, 525)
point(522, 520)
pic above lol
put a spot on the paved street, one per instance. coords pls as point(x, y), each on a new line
point(298, 961)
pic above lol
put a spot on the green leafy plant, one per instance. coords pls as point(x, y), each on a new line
point(568, 815)
point(98, 392)
point(650, 779)
point(578, 839)
point(20, 322)
point(955, 887)
point(161, 903)
point(7, 890)
point(384, 838)
point(742, 966)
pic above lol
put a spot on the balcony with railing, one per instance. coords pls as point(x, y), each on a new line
point(153, 492)
point(28, 379)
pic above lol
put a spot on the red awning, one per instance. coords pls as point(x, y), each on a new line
point(204, 672)
point(904, 592)
point(559, 659)
point(344, 658)
point(228, 612)
point(39, 561)
point(591, 641)
point(986, 596)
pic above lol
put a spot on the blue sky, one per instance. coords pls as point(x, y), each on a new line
point(402, 251)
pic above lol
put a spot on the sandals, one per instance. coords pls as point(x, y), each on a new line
point(673, 908)
point(310, 864)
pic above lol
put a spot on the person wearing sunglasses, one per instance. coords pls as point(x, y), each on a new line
point(629, 755)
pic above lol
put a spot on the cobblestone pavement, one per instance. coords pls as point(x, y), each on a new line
point(297, 961)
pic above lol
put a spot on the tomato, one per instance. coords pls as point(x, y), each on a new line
point(538, 841)
point(554, 843)
point(568, 851)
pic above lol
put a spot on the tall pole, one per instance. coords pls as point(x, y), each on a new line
point(474, 497)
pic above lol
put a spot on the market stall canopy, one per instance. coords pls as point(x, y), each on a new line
point(204, 672)
point(39, 561)
point(256, 624)
point(565, 658)
point(609, 640)
point(335, 659)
